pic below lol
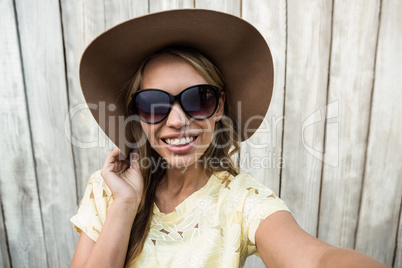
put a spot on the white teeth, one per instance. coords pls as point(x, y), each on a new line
point(181, 141)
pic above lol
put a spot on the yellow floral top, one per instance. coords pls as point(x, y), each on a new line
point(213, 227)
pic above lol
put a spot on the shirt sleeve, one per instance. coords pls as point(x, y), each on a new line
point(260, 203)
point(91, 213)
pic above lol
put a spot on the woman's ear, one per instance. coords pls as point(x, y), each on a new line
point(221, 107)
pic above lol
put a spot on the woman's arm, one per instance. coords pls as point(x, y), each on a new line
point(111, 247)
point(282, 243)
point(124, 179)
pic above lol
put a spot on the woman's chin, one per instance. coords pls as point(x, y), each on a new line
point(182, 162)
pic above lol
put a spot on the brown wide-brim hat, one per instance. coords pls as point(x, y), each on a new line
point(238, 50)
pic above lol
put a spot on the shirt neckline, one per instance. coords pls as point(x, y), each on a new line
point(180, 209)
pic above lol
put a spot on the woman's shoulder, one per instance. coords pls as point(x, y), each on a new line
point(246, 202)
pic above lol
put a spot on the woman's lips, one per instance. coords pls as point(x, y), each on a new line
point(180, 148)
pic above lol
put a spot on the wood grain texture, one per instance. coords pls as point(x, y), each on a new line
point(44, 71)
point(119, 11)
point(159, 5)
point(353, 51)
point(382, 188)
point(18, 188)
point(265, 146)
point(228, 6)
point(309, 32)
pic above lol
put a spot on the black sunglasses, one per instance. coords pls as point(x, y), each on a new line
point(154, 105)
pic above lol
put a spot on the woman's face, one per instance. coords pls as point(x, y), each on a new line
point(173, 75)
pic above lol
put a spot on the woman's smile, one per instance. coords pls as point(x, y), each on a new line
point(180, 146)
point(180, 141)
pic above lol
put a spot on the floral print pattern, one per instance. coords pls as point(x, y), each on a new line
point(213, 227)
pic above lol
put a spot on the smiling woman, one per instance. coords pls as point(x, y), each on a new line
point(185, 209)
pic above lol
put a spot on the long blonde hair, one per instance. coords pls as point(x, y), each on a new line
point(225, 144)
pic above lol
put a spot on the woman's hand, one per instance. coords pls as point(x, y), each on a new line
point(124, 181)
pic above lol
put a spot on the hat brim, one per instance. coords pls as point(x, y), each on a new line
point(238, 50)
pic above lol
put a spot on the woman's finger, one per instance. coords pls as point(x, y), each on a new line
point(113, 164)
point(135, 159)
point(111, 157)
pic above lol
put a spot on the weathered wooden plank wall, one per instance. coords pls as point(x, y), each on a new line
point(22, 225)
point(329, 146)
point(308, 49)
point(382, 183)
point(353, 49)
point(42, 53)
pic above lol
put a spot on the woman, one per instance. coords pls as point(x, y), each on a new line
point(180, 201)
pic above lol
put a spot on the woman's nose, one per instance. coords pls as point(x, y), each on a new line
point(177, 117)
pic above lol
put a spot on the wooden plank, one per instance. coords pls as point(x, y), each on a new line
point(229, 6)
point(159, 5)
point(382, 189)
point(269, 17)
point(309, 33)
point(354, 39)
point(43, 63)
point(119, 11)
point(4, 254)
point(18, 189)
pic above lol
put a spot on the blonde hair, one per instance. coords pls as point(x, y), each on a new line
point(224, 145)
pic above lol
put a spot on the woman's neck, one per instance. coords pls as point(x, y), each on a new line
point(177, 185)
point(177, 180)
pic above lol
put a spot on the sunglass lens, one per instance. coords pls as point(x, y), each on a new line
point(152, 105)
point(199, 101)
